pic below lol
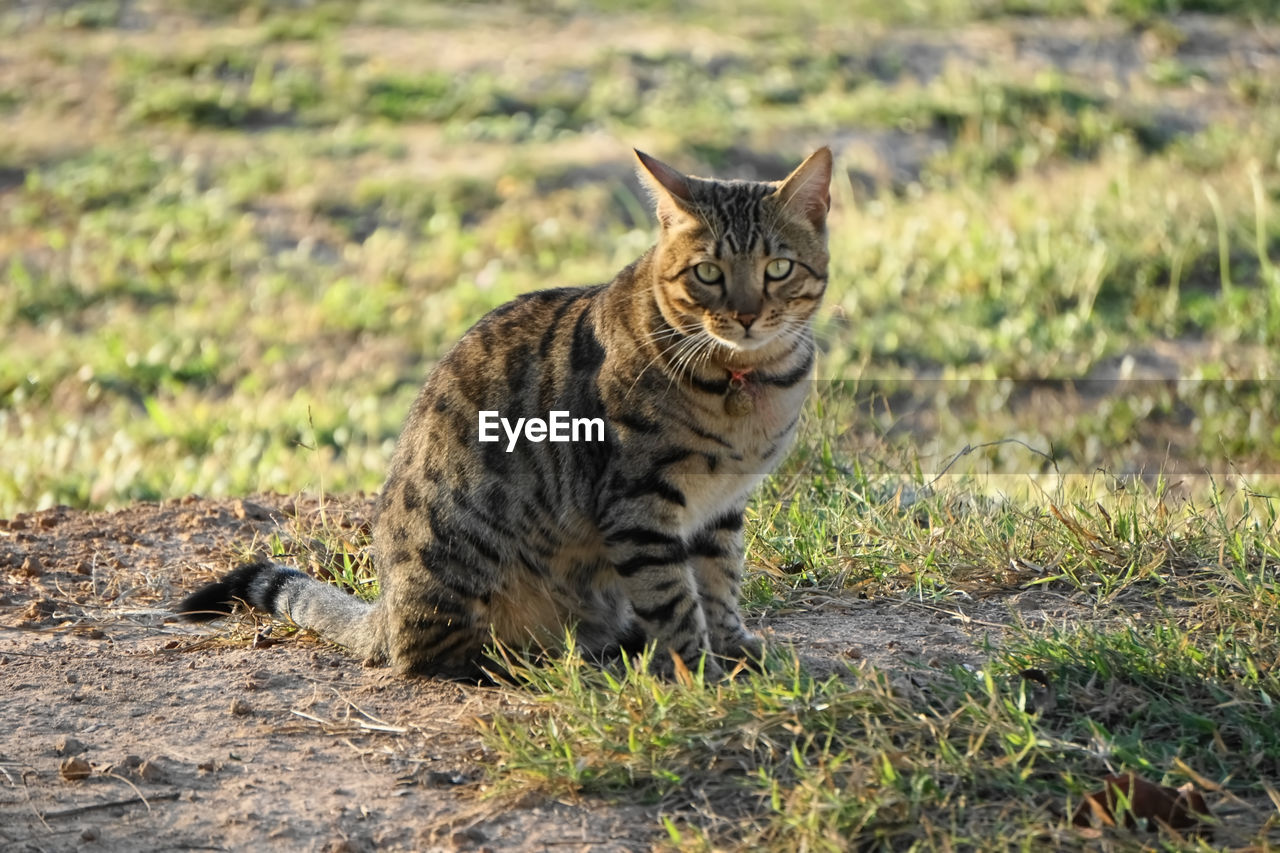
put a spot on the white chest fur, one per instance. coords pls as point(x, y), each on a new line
point(758, 441)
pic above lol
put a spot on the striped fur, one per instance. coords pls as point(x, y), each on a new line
point(636, 538)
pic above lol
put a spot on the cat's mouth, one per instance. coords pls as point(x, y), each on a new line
point(750, 340)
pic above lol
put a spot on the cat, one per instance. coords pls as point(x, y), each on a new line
point(687, 372)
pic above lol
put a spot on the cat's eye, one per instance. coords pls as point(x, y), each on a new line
point(708, 273)
point(778, 269)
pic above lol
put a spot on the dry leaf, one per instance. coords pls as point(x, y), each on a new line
point(1041, 697)
point(1178, 808)
point(681, 671)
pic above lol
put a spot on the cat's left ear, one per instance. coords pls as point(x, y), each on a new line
point(807, 190)
point(671, 191)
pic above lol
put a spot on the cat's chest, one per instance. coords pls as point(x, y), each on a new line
point(753, 418)
point(740, 447)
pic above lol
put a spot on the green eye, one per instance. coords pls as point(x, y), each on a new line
point(708, 273)
point(778, 268)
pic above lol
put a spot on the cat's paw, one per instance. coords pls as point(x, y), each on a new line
point(745, 648)
point(672, 667)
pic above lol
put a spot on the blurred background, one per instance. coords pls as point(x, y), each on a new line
point(235, 234)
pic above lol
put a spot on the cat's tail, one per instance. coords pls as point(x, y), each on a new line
point(289, 594)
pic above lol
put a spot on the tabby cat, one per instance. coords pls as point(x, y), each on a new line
point(694, 359)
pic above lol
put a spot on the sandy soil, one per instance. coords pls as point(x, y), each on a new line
point(224, 736)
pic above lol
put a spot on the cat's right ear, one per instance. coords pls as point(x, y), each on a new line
point(807, 190)
point(671, 192)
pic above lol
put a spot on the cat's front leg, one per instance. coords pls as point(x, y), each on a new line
point(716, 553)
point(653, 564)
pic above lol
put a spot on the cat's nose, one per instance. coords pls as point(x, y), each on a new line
point(747, 319)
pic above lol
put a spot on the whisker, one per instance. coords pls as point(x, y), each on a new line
point(689, 358)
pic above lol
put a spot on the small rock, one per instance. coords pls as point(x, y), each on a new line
point(446, 777)
point(37, 610)
point(253, 512)
point(67, 745)
point(71, 678)
point(83, 567)
point(240, 708)
point(470, 835)
point(339, 845)
point(207, 766)
point(90, 833)
point(74, 769)
point(18, 522)
point(31, 567)
point(131, 761)
point(151, 771)
point(47, 522)
point(264, 640)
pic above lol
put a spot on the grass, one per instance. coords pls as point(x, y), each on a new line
point(996, 224)
point(1173, 677)
point(236, 235)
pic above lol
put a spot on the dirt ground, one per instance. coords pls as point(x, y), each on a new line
point(219, 737)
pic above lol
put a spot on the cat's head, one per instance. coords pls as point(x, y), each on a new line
point(741, 262)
